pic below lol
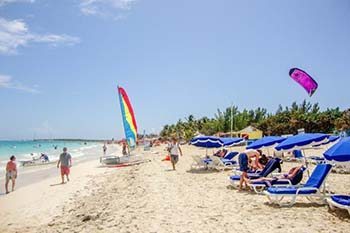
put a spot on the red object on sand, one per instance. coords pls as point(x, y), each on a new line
point(167, 158)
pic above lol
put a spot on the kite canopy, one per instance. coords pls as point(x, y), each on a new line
point(340, 152)
point(301, 141)
point(266, 142)
point(214, 142)
point(304, 79)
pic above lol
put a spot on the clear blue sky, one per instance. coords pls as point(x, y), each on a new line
point(60, 61)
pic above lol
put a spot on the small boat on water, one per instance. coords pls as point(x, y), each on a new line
point(37, 161)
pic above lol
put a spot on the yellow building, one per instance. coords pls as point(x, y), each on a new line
point(249, 132)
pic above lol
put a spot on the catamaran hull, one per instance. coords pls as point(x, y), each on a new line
point(115, 160)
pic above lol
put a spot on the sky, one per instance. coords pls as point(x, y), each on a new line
point(61, 61)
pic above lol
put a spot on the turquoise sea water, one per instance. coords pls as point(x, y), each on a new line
point(23, 149)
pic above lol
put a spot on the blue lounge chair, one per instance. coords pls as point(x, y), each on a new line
point(317, 159)
point(339, 201)
point(311, 189)
point(231, 155)
point(259, 186)
point(271, 166)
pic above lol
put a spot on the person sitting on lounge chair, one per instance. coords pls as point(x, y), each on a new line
point(220, 153)
point(263, 159)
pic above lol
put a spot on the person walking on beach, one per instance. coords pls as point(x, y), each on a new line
point(66, 162)
point(124, 152)
point(11, 173)
point(104, 149)
point(175, 150)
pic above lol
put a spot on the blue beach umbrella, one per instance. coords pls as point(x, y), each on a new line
point(331, 139)
point(228, 142)
point(340, 152)
point(215, 142)
point(302, 141)
point(207, 142)
point(267, 141)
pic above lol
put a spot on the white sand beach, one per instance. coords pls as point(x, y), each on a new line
point(150, 197)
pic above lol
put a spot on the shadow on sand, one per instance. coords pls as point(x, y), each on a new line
point(340, 213)
point(52, 185)
point(202, 171)
point(296, 205)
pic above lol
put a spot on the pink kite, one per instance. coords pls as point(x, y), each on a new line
point(305, 80)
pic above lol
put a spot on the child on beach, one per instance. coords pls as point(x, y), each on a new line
point(66, 162)
point(11, 173)
point(175, 150)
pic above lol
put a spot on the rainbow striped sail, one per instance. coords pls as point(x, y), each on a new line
point(128, 116)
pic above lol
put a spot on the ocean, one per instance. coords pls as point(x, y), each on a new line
point(25, 150)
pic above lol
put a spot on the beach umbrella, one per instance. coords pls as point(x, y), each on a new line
point(302, 141)
point(331, 139)
point(228, 142)
point(215, 142)
point(339, 152)
point(207, 142)
point(268, 141)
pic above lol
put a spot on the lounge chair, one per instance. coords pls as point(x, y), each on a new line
point(270, 167)
point(221, 164)
point(198, 162)
point(259, 186)
point(317, 159)
point(311, 189)
point(339, 201)
point(231, 155)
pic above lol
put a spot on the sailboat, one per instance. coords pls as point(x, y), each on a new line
point(130, 130)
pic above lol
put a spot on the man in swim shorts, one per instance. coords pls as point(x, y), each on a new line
point(243, 167)
point(66, 162)
point(175, 150)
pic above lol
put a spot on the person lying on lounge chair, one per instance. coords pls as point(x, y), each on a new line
point(220, 153)
point(290, 176)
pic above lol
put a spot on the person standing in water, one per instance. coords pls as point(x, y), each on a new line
point(175, 151)
point(11, 173)
point(66, 162)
